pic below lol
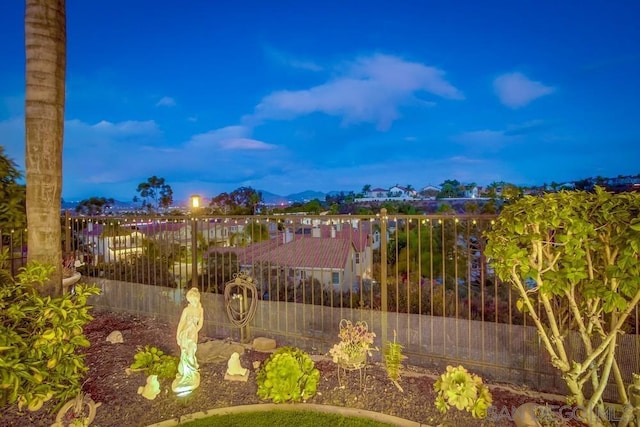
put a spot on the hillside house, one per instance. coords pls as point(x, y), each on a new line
point(430, 191)
point(108, 248)
point(340, 257)
point(398, 191)
point(377, 193)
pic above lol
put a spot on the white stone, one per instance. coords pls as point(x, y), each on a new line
point(525, 415)
point(264, 344)
point(115, 337)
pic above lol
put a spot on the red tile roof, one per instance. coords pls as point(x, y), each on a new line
point(311, 253)
point(306, 252)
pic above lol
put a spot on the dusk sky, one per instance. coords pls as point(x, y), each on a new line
point(287, 96)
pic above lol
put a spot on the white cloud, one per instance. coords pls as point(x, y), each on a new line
point(166, 101)
point(113, 157)
point(368, 90)
point(228, 138)
point(97, 152)
point(515, 90)
point(288, 60)
point(121, 129)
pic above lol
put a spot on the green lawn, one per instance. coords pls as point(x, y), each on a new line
point(278, 417)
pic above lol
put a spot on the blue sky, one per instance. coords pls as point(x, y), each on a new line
point(286, 96)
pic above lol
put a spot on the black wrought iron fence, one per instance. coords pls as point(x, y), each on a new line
point(409, 264)
point(425, 277)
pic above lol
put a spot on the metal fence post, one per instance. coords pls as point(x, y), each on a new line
point(383, 273)
point(67, 233)
point(194, 251)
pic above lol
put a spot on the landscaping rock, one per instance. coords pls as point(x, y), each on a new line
point(264, 344)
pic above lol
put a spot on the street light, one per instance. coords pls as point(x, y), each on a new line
point(195, 202)
point(195, 205)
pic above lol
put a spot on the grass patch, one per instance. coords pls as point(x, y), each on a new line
point(278, 417)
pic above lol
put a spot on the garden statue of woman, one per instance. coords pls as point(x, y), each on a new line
point(188, 377)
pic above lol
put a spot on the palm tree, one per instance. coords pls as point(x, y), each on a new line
point(45, 49)
point(409, 190)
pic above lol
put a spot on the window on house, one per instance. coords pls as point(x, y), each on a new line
point(357, 258)
point(335, 278)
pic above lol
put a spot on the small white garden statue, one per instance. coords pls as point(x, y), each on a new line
point(151, 389)
point(234, 367)
point(188, 376)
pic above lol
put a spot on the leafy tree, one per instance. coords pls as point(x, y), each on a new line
point(583, 184)
point(504, 191)
point(313, 207)
point(576, 255)
point(365, 189)
point(511, 192)
point(151, 267)
point(601, 181)
point(94, 205)
point(450, 189)
point(492, 190)
point(12, 193)
point(253, 232)
point(219, 269)
point(46, 56)
point(424, 247)
point(340, 198)
point(242, 201)
point(155, 193)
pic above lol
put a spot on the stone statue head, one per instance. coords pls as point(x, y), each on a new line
point(193, 296)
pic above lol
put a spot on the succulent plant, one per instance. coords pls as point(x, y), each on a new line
point(154, 361)
point(288, 374)
point(464, 390)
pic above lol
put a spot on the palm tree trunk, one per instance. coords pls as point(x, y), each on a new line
point(45, 48)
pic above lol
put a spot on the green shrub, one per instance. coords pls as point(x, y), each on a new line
point(39, 339)
point(153, 361)
point(288, 374)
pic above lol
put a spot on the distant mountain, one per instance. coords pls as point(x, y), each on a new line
point(267, 197)
point(302, 197)
point(273, 199)
point(117, 205)
point(306, 196)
